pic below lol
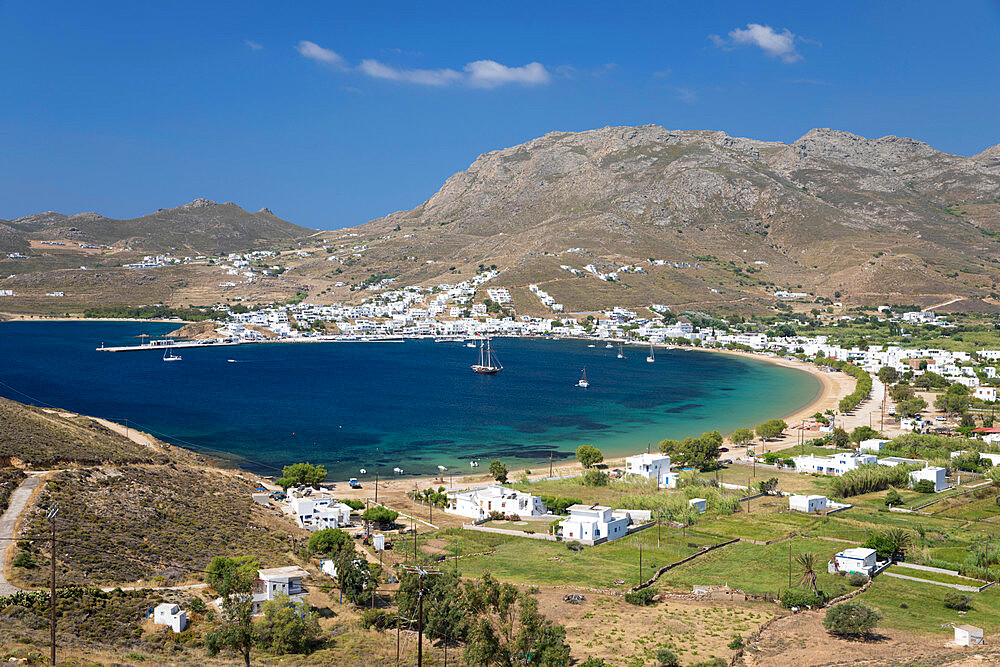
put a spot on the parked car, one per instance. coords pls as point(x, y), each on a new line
point(354, 483)
point(723, 449)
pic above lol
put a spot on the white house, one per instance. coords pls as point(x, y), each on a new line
point(807, 504)
point(858, 560)
point(968, 635)
point(275, 581)
point(592, 524)
point(994, 459)
point(478, 503)
point(699, 505)
point(873, 444)
point(988, 394)
point(650, 466)
point(834, 464)
point(934, 474)
point(170, 615)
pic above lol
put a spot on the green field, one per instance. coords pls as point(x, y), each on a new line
point(910, 605)
point(934, 576)
point(757, 569)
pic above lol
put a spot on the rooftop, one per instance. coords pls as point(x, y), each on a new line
point(282, 572)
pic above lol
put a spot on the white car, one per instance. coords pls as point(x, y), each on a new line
point(940, 419)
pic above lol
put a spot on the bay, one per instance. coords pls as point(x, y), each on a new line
point(415, 405)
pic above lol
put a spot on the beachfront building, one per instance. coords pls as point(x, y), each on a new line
point(478, 503)
point(593, 524)
point(834, 464)
point(650, 466)
point(933, 474)
point(170, 615)
point(320, 512)
point(275, 581)
point(807, 504)
point(857, 560)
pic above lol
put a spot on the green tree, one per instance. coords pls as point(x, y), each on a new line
point(911, 407)
point(839, 437)
point(288, 627)
point(954, 400)
point(380, 515)
point(444, 610)
point(301, 473)
point(594, 477)
point(807, 570)
point(671, 448)
point(768, 486)
point(901, 392)
point(667, 658)
point(741, 436)
point(924, 486)
point(589, 455)
point(893, 498)
point(508, 627)
point(355, 578)
point(851, 619)
point(772, 428)
point(330, 541)
point(861, 433)
point(498, 471)
point(233, 579)
point(888, 375)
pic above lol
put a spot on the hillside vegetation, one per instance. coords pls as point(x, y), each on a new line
point(42, 438)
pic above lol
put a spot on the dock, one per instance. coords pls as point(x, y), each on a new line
point(169, 344)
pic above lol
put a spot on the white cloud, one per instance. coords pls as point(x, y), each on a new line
point(773, 43)
point(477, 74)
point(686, 95)
point(424, 77)
point(254, 46)
point(314, 51)
point(490, 74)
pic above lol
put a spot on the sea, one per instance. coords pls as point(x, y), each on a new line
point(412, 405)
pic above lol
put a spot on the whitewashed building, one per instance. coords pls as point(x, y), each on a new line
point(593, 524)
point(968, 635)
point(807, 504)
point(857, 560)
point(988, 394)
point(834, 464)
point(650, 466)
point(699, 505)
point(478, 503)
point(933, 474)
point(170, 615)
point(873, 444)
point(275, 581)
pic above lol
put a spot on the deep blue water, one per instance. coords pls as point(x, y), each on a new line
point(380, 405)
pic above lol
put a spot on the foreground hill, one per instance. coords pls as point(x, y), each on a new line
point(201, 227)
point(834, 214)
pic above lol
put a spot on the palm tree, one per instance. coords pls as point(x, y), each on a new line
point(900, 539)
point(807, 562)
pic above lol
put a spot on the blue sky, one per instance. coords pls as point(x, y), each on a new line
point(333, 113)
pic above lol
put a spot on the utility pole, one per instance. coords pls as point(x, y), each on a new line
point(789, 563)
point(51, 516)
point(421, 573)
point(376, 487)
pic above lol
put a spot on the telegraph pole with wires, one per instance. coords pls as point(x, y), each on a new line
point(420, 572)
point(51, 516)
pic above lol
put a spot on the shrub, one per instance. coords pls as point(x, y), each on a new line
point(737, 643)
point(893, 498)
point(330, 541)
point(594, 477)
point(197, 605)
point(376, 618)
point(956, 600)
point(924, 486)
point(667, 658)
point(868, 478)
point(641, 597)
point(799, 597)
point(857, 580)
point(851, 619)
point(24, 560)
point(594, 662)
point(574, 546)
point(354, 504)
point(380, 515)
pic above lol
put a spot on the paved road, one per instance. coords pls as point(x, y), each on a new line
point(18, 501)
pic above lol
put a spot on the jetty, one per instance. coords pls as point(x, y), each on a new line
point(169, 343)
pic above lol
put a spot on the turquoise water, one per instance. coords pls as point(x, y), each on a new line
point(415, 405)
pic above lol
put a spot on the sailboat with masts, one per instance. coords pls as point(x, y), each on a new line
point(652, 356)
point(168, 355)
point(621, 350)
point(488, 362)
point(582, 382)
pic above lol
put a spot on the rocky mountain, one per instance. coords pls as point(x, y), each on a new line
point(201, 226)
point(730, 220)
